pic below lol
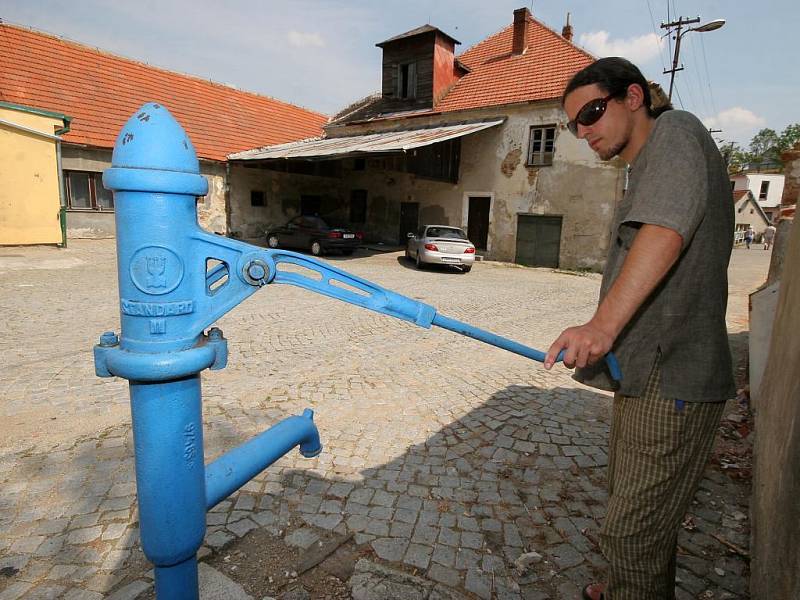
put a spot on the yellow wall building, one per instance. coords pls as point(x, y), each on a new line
point(30, 175)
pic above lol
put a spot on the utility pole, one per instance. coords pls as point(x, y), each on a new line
point(710, 26)
point(668, 26)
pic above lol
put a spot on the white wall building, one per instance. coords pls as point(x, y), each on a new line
point(767, 189)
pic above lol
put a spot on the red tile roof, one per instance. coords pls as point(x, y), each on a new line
point(100, 91)
point(497, 77)
point(739, 194)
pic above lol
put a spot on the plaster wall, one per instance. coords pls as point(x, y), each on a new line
point(775, 510)
point(29, 182)
point(282, 192)
point(100, 224)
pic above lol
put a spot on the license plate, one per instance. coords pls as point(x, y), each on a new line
point(349, 236)
point(451, 260)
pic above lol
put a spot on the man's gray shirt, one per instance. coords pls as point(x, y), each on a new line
point(678, 181)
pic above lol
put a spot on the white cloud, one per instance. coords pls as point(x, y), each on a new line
point(640, 49)
point(736, 123)
point(305, 40)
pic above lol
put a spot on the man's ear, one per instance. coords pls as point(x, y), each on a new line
point(635, 97)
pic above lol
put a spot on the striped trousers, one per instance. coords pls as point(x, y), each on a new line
point(657, 452)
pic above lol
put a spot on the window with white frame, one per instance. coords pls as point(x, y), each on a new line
point(542, 145)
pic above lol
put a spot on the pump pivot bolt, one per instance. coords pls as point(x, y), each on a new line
point(256, 272)
point(215, 334)
point(109, 338)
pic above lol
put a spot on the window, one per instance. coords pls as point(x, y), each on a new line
point(358, 206)
point(733, 185)
point(85, 191)
point(542, 145)
point(762, 194)
point(407, 80)
point(256, 198)
point(438, 161)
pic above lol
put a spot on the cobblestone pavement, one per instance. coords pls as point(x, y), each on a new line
point(444, 457)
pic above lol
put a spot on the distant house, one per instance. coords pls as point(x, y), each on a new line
point(767, 189)
point(748, 213)
point(477, 140)
point(46, 75)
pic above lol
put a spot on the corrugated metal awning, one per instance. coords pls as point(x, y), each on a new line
point(374, 143)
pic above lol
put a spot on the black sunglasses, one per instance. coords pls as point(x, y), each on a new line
point(589, 114)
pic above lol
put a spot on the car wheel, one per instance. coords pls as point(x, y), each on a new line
point(420, 264)
point(272, 241)
point(466, 269)
point(316, 248)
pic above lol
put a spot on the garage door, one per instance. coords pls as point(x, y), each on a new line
point(538, 240)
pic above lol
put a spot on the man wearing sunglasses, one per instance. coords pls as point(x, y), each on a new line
point(662, 311)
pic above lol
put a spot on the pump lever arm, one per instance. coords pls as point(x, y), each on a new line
point(335, 283)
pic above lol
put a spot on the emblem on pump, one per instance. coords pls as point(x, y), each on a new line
point(156, 270)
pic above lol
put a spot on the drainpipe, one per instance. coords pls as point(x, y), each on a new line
point(62, 195)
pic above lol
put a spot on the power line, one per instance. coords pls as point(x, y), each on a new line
point(697, 76)
point(708, 76)
point(660, 49)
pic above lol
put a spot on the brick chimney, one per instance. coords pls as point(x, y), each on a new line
point(521, 18)
point(566, 32)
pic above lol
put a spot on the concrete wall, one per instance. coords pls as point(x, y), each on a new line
point(577, 186)
point(29, 180)
point(776, 484)
point(211, 211)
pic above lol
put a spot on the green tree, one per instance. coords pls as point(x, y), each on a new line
point(789, 137)
point(764, 148)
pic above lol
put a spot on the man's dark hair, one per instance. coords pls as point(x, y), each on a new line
point(613, 75)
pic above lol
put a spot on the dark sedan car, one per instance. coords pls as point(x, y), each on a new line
point(315, 235)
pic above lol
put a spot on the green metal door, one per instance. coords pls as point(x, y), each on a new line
point(538, 240)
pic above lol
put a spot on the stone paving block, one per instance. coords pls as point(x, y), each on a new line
point(377, 527)
point(565, 556)
point(442, 574)
point(131, 591)
point(302, 538)
point(83, 536)
point(15, 590)
point(418, 555)
point(467, 559)
point(114, 560)
point(114, 531)
point(479, 583)
point(425, 534)
point(76, 594)
point(340, 490)
point(391, 549)
point(218, 539)
point(444, 555)
point(471, 539)
point(241, 528)
point(59, 572)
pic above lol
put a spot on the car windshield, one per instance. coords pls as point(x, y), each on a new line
point(446, 232)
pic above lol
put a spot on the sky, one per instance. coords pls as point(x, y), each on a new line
point(321, 54)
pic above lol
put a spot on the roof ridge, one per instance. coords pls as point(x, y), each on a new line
point(101, 51)
point(554, 32)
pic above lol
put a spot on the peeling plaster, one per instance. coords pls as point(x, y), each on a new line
point(510, 162)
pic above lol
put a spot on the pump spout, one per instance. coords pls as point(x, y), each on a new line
point(236, 467)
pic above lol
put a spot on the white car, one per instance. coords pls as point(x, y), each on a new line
point(441, 245)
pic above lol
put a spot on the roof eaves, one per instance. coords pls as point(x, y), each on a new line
point(42, 113)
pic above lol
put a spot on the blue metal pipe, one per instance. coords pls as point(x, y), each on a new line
point(236, 467)
point(178, 582)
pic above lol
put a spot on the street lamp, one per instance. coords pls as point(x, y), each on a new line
point(710, 26)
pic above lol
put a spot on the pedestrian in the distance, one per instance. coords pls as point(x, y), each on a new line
point(769, 236)
point(673, 228)
point(749, 234)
